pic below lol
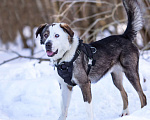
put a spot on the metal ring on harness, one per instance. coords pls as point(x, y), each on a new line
point(95, 50)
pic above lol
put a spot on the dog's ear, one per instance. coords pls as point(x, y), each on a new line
point(67, 29)
point(40, 28)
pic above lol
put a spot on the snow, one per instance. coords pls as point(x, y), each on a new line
point(30, 91)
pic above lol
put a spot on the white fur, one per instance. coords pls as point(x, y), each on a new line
point(66, 96)
point(66, 50)
point(138, 20)
point(89, 110)
point(70, 54)
point(125, 112)
point(116, 68)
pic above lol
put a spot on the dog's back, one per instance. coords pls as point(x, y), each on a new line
point(112, 48)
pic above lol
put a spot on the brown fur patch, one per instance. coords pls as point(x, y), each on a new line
point(67, 29)
point(69, 87)
point(70, 39)
point(86, 92)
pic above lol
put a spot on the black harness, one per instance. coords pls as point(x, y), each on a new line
point(65, 69)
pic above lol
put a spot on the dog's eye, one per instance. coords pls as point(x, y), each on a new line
point(46, 35)
point(57, 35)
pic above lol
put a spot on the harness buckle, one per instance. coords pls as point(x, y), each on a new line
point(78, 51)
point(94, 50)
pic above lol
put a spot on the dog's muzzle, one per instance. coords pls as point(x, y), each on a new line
point(49, 51)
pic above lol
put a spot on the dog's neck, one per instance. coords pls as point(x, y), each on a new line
point(68, 55)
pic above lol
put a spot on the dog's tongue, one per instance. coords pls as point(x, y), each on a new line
point(49, 53)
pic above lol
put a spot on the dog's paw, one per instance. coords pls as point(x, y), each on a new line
point(125, 112)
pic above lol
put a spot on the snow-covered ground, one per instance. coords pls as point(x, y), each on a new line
point(30, 91)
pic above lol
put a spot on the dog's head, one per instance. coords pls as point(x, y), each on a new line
point(56, 39)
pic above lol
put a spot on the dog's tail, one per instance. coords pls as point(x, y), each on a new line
point(135, 20)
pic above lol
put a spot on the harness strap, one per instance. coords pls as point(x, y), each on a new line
point(89, 51)
point(78, 51)
point(65, 69)
point(90, 64)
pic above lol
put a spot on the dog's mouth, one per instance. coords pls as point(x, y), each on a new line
point(51, 53)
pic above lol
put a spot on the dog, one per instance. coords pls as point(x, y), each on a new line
point(115, 53)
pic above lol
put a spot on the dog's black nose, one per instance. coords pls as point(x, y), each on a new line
point(48, 45)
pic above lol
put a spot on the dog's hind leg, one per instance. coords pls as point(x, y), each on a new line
point(66, 96)
point(129, 63)
point(117, 76)
point(86, 92)
point(133, 77)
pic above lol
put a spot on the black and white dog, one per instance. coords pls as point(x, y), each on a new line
point(116, 53)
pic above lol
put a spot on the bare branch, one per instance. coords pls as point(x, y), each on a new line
point(6, 61)
point(74, 2)
point(83, 1)
point(22, 56)
point(95, 24)
point(112, 23)
point(106, 26)
point(114, 10)
point(147, 47)
point(88, 17)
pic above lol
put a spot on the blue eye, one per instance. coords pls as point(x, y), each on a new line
point(57, 35)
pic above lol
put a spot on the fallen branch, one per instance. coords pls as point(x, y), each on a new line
point(9, 60)
point(22, 56)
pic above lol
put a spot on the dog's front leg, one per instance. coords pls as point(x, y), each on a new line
point(66, 96)
point(86, 92)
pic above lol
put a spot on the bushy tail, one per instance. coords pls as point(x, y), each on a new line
point(135, 20)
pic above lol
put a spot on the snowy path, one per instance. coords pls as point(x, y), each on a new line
point(29, 91)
